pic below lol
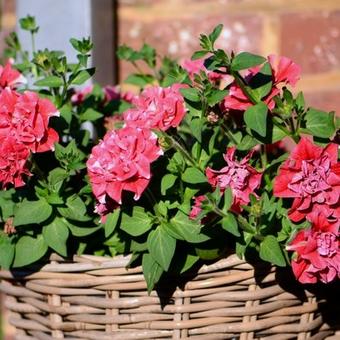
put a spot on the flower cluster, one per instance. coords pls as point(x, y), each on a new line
point(311, 176)
point(24, 128)
point(121, 161)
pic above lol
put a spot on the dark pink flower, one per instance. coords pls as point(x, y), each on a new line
point(25, 117)
point(80, 95)
point(121, 161)
point(13, 162)
point(196, 209)
point(317, 255)
point(239, 176)
point(10, 77)
point(157, 108)
point(311, 175)
point(194, 67)
point(284, 71)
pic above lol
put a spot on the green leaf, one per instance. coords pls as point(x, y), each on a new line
point(261, 84)
point(111, 222)
point(161, 247)
point(246, 60)
point(196, 128)
point(189, 262)
point(138, 223)
point(152, 271)
point(216, 96)
point(56, 234)
point(247, 143)
point(90, 115)
point(28, 250)
point(255, 118)
point(140, 80)
point(190, 94)
point(56, 178)
point(215, 33)
point(167, 182)
point(82, 76)
point(320, 123)
point(198, 55)
point(193, 176)
point(271, 251)
point(183, 228)
point(28, 212)
point(82, 231)
point(229, 224)
point(75, 210)
point(208, 254)
point(228, 199)
point(51, 81)
point(7, 251)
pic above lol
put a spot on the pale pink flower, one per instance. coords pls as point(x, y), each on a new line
point(317, 255)
point(157, 108)
point(311, 175)
point(239, 176)
point(121, 161)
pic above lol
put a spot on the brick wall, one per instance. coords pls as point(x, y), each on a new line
point(307, 31)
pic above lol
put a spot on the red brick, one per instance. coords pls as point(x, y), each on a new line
point(179, 38)
point(312, 40)
point(326, 101)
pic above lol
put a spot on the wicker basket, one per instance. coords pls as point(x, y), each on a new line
point(97, 298)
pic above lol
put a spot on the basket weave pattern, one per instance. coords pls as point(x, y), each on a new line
point(97, 298)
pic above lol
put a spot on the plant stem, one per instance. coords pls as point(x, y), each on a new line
point(228, 133)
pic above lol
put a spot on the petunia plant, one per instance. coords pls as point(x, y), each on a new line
point(209, 156)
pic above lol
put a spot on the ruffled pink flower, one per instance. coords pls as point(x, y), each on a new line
point(13, 162)
point(25, 117)
point(317, 255)
point(10, 77)
point(121, 161)
point(157, 108)
point(239, 176)
point(311, 175)
point(284, 71)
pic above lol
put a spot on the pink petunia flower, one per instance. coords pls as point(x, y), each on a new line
point(80, 95)
point(239, 176)
point(194, 67)
point(25, 117)
point(317, 255)
point(197, 207)
point(10, 77)
point(13, 162)
point(284, 71)
point(157, 108)
point(311, 175)
point(121, 161)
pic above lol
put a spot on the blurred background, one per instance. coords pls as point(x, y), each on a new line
point(307, 31)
